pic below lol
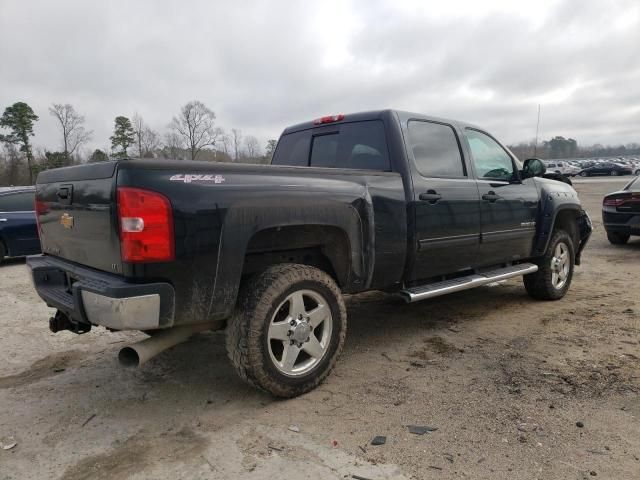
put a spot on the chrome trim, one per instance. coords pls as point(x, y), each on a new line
point(465, 283)
point(427, 243)
point(128, 313)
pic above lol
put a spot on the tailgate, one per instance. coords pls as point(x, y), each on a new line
point(77, 216)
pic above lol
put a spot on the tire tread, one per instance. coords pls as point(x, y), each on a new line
point(244, 329)
point(538, 284)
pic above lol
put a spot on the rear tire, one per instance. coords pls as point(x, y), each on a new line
point(288, 329)
point(3, 251)
point(617, 238)
point(584, 174)
point(555, 269)
point(614, 173)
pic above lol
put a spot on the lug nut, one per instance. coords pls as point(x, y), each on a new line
point(292, 323)
point(289, 333)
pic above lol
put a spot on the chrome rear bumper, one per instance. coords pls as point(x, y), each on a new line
point(89, 296)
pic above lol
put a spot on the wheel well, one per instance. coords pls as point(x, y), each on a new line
point(567, 220)
point(320, 246)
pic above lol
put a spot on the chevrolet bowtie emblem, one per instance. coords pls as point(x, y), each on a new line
point(66, 220)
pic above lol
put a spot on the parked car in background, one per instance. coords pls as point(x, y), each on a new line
point(607, 168)
point(621, 213)
point(18, 229)
point(562, 167)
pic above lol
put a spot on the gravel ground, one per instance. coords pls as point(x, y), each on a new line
point(516, 388)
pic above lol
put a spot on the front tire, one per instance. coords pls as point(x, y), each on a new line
point(617, 238)
point(614, 173)
point(3, 251)
point(288, 329)
point(584, 174)
point(555, 269)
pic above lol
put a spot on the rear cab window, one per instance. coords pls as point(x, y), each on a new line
point(17, 202)
point(357, 145)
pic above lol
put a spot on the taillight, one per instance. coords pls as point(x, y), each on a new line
point(41, 208)
point(620, 200)
point(329, 119)
point(146, 226)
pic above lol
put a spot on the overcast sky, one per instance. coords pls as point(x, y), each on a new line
point(263, 65)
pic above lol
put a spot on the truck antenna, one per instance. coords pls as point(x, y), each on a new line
point(535, 145)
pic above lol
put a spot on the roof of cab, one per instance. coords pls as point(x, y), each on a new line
point(401, 115)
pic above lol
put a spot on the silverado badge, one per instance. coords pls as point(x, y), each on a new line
point(66, 220)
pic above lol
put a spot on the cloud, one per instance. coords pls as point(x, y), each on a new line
point(264, 65)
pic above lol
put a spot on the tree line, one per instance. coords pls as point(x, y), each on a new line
point(192, 134)
point(561, 147)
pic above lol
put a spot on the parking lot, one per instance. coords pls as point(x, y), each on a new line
point(515, 387)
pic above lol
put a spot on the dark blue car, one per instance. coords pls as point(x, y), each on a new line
point(18, 229)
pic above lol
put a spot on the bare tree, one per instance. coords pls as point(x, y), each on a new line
point(72, 124)
point(196, 126)
point(173, 146)
point(252, 146)
point(150, 141)
point(10, 172)
point(146, 138)
point(236, 140)
point(225, 142)
point(138, 129)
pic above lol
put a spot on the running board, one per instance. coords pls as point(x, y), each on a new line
point(422, 292)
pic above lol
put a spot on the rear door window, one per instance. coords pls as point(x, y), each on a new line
point(17, 202)
point(360, 145)
point(435, 149)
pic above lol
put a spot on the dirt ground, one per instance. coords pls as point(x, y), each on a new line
point(504, 378)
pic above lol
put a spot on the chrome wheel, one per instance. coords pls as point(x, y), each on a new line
point(300, 332)
point(560, 265)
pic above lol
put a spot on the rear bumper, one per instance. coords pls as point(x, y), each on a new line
point(93, 297)
point(622, 222)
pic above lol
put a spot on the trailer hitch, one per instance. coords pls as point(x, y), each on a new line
point(61, 322)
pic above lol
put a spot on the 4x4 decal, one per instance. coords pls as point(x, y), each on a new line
point(188, 178)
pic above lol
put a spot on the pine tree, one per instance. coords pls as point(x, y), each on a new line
point(123, 136)
point(19, 118)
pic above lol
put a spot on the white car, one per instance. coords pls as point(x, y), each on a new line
point(565, 168)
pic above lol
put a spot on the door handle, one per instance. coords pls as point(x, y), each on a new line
point(491, 196)
point(3, 219)
point(430, 196)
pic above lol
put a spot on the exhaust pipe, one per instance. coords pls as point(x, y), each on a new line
point(135, 355)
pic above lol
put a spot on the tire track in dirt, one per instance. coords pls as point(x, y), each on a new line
point(49, 366)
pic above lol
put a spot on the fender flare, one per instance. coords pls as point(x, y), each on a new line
point(547, 223)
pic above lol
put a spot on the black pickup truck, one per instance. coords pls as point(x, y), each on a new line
point(388, 200)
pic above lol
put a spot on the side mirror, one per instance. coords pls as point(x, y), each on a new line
point(533, 167)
